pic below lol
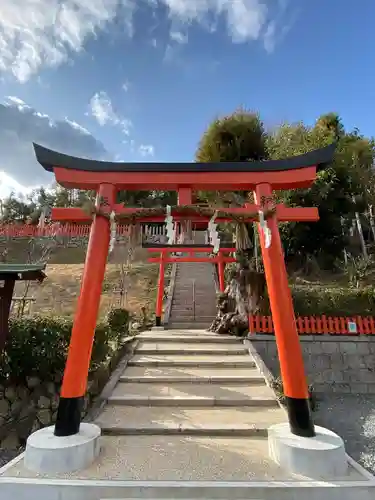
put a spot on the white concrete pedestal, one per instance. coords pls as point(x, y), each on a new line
point(158, 328)
point(48, 454)
point(320, 457)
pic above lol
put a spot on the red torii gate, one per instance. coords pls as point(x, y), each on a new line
point(107, 178)
point(164, 258)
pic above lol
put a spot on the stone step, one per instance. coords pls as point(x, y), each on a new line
point(203, 294)
point(205, 283)
point(191, 360)
point(190, 321)
point(188, 310)
point(188, 325)
point(214, 379)
point(201, 277)
point(199, 287)
point(192, 372)
point(214, 392)
point(197, 363)
point(185, 311)
point(192, 401)
point(207, 352)
point(170, 337)
point(188, 306)
point(203, 299)
point(233, 421)
point(185, 315)
point(189, 333)
point(175, 348)
point(200, 302)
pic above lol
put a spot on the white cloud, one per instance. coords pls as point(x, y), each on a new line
point(125, 86)
point(45, 33)
point(102, 110)
point(20, 126)
point(178, 37)
point(36, 33)
point(9, 185)
point(77, 126)
point(11, 100)
point(146, 150)
point(245, 18)
point(269, 37)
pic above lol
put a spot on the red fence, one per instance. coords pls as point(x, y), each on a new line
point(50, 230)
point(319, 325)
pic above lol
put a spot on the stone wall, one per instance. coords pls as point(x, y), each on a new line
point(25, 408)
point(333, 364)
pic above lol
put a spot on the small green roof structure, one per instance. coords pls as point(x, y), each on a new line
point(9, 274)
point(22, 272)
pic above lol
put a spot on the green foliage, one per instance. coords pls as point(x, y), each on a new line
point(278, 387)
point(236, 137)
point(37, 345)
point(118, 320)
point(316, 301)
point(358, 270)
point(333, 192)
point(341, 189)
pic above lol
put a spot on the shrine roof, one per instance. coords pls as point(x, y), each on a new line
point(50, 159)
point(22, 272)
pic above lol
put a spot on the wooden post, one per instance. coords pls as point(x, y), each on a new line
point(288, 345)
point(160, 296)
point(6, 294)
point(77, 365)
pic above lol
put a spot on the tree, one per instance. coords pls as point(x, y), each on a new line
point(16, 209)
point(233, 138)
point(338, 191)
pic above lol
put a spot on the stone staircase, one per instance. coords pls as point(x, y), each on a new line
point(194, 298)
point(186, 417)
point(194, 294)
point(189, 406)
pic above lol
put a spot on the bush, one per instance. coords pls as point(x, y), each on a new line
point(118, 320)
point(278, 387)
point(333, 301)
point(37, 345)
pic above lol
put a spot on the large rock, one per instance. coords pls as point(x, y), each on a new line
point(10, 394)
point(33, 382)
point(4, 408)
point(44, 402)
point(10, 442)
point(45, 417)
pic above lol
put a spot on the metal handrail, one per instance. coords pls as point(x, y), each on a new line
point(193, 289)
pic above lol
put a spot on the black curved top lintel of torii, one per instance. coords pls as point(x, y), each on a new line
point(50, 159)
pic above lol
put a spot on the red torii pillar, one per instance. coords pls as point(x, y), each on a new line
point(74, 383)
point(286, 334)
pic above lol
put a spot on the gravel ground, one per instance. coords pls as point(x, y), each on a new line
point(352, 418)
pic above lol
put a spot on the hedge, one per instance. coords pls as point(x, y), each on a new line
point(37, 345)
point(327, 299)
point(315, 301)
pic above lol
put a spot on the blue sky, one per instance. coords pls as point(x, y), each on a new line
point(143, 78)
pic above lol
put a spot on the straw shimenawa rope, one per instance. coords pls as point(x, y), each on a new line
point(186, 211)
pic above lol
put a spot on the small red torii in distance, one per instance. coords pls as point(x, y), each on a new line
point(108, 178)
